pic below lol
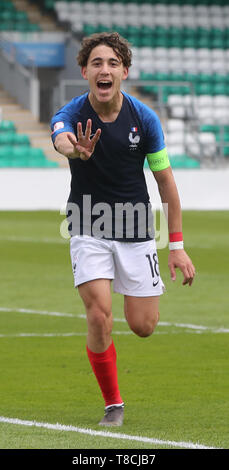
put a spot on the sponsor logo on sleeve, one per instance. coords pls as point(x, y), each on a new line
point(58, 125)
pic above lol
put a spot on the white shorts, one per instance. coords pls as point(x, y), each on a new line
point(133, 267)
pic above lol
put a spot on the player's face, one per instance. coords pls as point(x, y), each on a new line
point(104, 72)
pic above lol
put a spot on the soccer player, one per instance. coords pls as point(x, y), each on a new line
point(106, 135)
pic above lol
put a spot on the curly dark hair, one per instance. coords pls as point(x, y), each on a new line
point(120, 46)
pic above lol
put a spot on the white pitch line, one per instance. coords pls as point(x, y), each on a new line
point(39, 312)
point(23, 239)
point(54, 335)
point(197, 328)
point(92, 432)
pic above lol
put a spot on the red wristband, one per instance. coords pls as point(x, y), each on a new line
point(176, 237)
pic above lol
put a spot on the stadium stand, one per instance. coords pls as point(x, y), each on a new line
point(24, 16)
point(14, 19)
point(183, 44)
point(180, 53)
point(18, 149)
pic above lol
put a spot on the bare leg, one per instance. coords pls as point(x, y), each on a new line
point(100, 347)
point(96, 296)
point(142, 314)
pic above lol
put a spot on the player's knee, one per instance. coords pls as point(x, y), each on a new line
point(99, 319)
point(144, 331)
point(146, 328)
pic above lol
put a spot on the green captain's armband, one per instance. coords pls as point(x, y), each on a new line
point(159, 160)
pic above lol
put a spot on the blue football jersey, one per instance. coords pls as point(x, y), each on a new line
point(114, 174)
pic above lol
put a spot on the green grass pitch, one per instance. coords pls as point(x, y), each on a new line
point(175, 383)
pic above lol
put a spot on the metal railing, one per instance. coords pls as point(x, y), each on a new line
point(19, 81)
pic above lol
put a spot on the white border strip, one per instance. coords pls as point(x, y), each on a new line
point(189, 326)
point(91, 432)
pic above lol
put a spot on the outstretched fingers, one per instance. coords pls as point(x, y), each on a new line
point(79, 131)
point(85, 144)
point(88, 130)
point(96, 137)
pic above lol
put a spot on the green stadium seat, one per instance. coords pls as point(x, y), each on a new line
point(175, 41)
point(220, 89)
point(132, 30)
point(210, 128)
point(7, 6)
point(20, 163)
point(33, 27)
point(5, 163)
point(7, 138)
point(19, 156)
point(189, 42)
point(183, 161)
point(134, 39)
point(10, 157)
point(217, 43)
point(5, 151)
point(6, 25)
point(203, 42)
point(20, 15)
point(49, 4)
point(51, 164)
point(190, 77)
point(161, 41)
point(37, 159)
point(89, 29)
point(190, 32)
point(204, 89)
point(24, 156)
point(6, 15)
point(226, 151)
point(204, 77)
point(21, 139)
point(36, 152)
point(223, 136)
point(147, 40)
point(7, 126)
point(149, 76)
point(219, 78)
point(120, 29)
point(21, 26)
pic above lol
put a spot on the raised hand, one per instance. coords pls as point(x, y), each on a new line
point(84, 145)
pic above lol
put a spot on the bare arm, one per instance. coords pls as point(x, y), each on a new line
point(64, 146)
point(68, 145)
point(169, 194)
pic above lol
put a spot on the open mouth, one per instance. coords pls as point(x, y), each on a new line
point(104, 84)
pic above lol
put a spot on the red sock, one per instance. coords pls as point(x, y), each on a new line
point(105, 369)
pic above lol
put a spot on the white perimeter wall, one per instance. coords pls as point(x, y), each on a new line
point(27, 189)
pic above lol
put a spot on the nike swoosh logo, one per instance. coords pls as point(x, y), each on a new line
point(155, 283)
